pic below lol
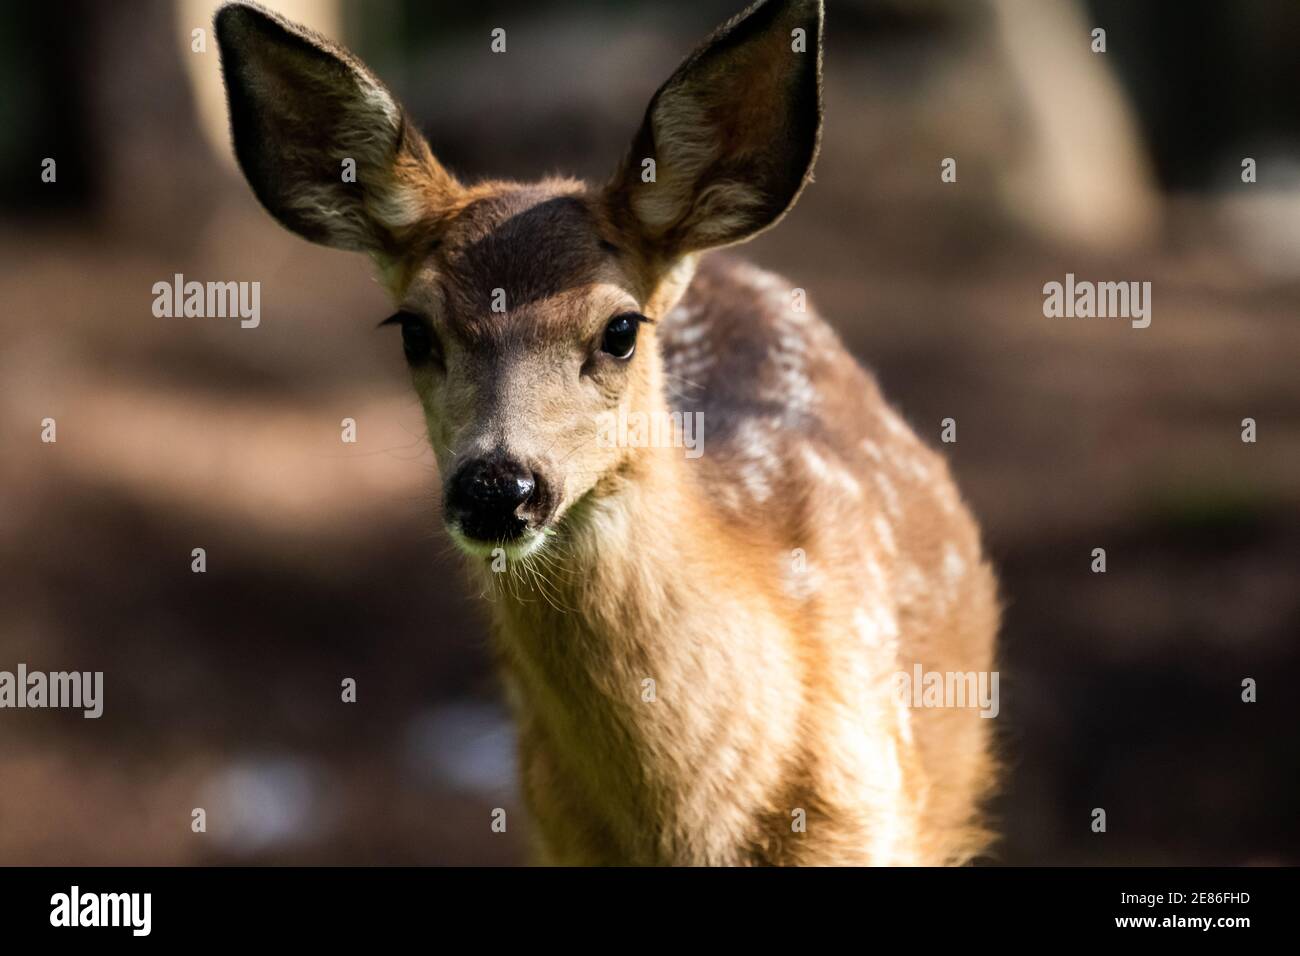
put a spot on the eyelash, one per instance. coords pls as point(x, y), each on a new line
point(417, 352)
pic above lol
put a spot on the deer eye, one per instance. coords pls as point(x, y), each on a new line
point(417, 338)
point(620, 335)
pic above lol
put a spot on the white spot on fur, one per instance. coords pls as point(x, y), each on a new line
point(793, 344)
point(865, 625)
point(693, 363)
point(830, 473)
point(876, 574)
point(954, 567)
point(757, 460)
point(878, 625)
point(889, 418)
point(912, 587)
point(917, 468)
point(885, 533)
point(690, 333)
point(888, 494)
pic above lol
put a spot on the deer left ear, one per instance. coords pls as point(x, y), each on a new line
point(728, 143)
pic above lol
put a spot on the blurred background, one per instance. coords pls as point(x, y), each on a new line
point(325, 560)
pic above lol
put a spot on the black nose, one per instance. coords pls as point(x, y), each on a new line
point(485, 496)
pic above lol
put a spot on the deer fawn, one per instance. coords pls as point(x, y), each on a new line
point(706, 671)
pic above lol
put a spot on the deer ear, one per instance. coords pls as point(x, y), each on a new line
point(324, 145)
point(732, 135)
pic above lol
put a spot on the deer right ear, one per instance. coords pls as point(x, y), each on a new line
point(729, 141)
point(324, 145)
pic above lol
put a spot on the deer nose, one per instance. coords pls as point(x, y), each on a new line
point(485, 496)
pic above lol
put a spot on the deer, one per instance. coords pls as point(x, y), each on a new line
point(710, 678)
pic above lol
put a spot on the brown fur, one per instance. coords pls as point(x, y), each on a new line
point(770, 589)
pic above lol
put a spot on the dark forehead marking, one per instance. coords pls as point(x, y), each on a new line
point(530, 241)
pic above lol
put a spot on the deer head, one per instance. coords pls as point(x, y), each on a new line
point(528, 310)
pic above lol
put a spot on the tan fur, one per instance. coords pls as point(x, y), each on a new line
point(770, 589)
point(768, 698)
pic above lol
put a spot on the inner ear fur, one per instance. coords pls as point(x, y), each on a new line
point(734, 133)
